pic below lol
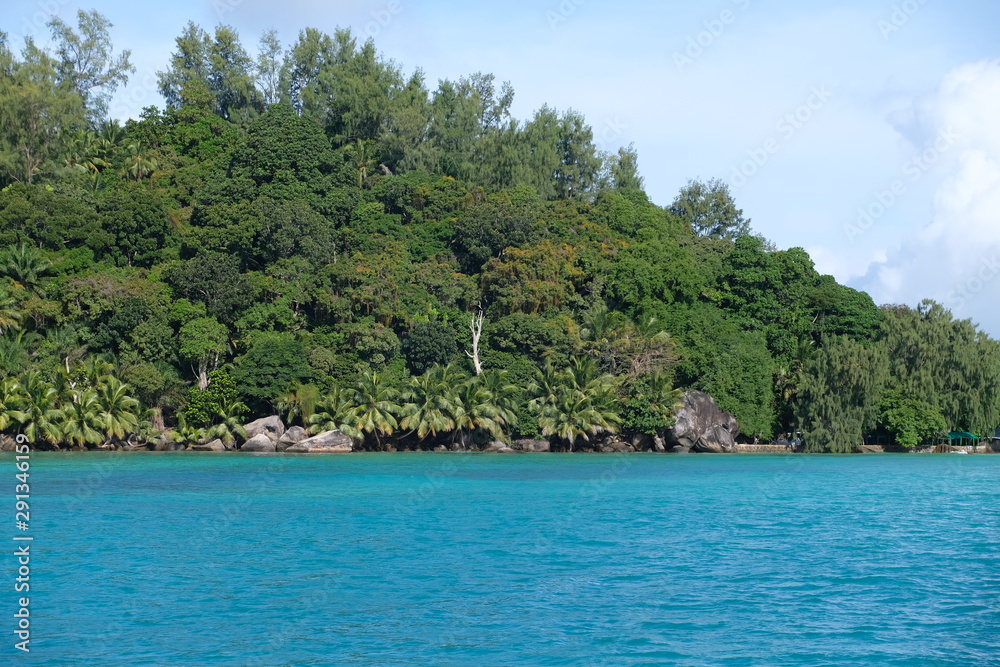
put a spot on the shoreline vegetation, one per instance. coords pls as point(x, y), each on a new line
point(305, 233)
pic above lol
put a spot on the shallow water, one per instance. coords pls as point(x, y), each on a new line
point(445, 559)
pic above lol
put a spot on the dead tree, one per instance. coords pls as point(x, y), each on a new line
point(476, 327)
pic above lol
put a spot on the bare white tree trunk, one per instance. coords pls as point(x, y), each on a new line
point(476, 327)
point(202, 374)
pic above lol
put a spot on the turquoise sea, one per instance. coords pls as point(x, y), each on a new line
point(450, 559)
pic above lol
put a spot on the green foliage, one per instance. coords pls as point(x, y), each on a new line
point(215, 280)
point(136, 219)
point(575, 403)
point(37, 105)
point(221, 65)
point(86, 62)
point(946, 363)
point(47, 219)
point(839, 395)
point(649, 404)
point(202, 406)
point(203, 341)
point(269, 368)
point(486, 230)
point(910, 421)
point(709, 209)
point(733, 366)
point(429, 344)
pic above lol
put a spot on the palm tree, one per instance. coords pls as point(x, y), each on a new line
point(37, 409)
point(362, 159)
point(110, 134)
point(230, 423)
point(65, 342)
point(87, 154)
point(118, 411)
point(377, 407)
point(93, 372)
point(15, 351)
point(10, 313)
point(25, 266)
point(505, 394)
point(186, 434)
point(299, 403)
point(430, 402)
point(10, 394)
point(80, 421)
point(335, 412)
point(139, 164)
point(575, 403)
point(475, 409)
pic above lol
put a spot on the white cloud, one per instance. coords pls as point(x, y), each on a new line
point(954, 257)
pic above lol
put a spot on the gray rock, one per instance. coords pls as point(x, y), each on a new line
point(165, 444)
point(498, 446)
point(331, 442)
point(259, 443)
point(529, 445)
point(294, 435)
point(214, 446)
point(271, 426)
point(440, 448)
point(702, 426)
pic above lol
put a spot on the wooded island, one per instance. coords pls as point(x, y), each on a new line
point(308, 232)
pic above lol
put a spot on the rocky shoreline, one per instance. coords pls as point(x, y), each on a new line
point(701, 427)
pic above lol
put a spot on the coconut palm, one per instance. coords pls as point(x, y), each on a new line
point(505, 394)
point(81, 419)
point(362, 158)
point(186, 434)
point(229, 423)
point(37, 409)
point(118, 411)
point(431, 401)
point(299, 403)
point(10, 313)
point(93, 372)
point(65, 343)
point(110, 133)
point(139, 164)
point(16, 351)
point(87, 154)
point(335, 412)
point(25, 266)
point(10, 393)
point(576, 416)
point(475, 409)
point(376, 406)
point(575, 403)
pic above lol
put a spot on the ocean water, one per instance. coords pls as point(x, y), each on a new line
point(449, 559)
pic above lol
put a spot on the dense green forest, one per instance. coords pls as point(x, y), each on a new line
point(307, 231)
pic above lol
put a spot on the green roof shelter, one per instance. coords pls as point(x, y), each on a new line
point(961, 437)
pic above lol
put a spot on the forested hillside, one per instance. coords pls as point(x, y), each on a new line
point(311, 232)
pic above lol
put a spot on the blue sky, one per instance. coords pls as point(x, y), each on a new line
point(822, 116)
